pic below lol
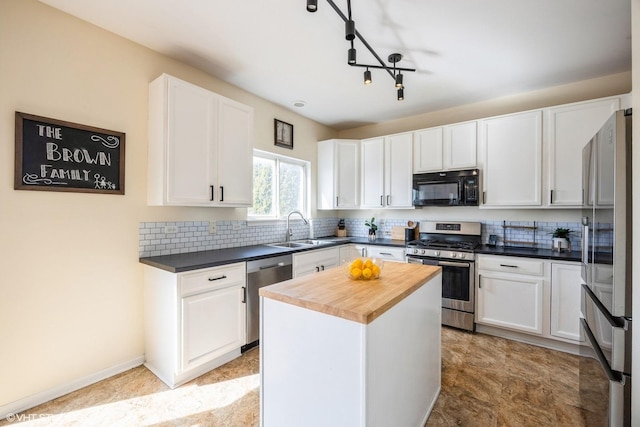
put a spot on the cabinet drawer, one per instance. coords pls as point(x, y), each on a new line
point(511, 265)
point(212, 278)
point(385, 253)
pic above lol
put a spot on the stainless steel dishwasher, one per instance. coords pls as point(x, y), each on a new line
point(261, 273)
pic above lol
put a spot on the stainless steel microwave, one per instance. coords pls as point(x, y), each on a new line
point(449, 188)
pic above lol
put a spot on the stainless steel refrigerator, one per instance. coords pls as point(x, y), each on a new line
point(606, 272)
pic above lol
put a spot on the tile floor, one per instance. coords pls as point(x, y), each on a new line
point(486, 381)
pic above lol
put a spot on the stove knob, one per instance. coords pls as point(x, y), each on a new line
point(423, 251)
point(462, 255)
point(436, 253)
point(415, 251)
point(453, 254)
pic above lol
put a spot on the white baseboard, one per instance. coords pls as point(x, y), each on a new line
point(551, 344)
point(55, 392)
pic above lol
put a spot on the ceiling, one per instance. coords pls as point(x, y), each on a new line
point(464, 51)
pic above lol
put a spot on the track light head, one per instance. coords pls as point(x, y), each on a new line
point(367, 77)
point(351, 56)
point(401, 94)
point(399, 80)
point(349, 30)
point(312, 5)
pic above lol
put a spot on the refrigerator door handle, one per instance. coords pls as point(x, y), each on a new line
point(611, 374)
point(616, 322)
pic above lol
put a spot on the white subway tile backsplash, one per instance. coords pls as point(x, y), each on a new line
point(194, 235)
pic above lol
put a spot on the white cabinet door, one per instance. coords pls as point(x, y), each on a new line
point(387, 172)
point(512, 157)
point(565, 301)
point(569, 128)
point(445, 147)
point(234, 157)
point(399, 171)
point(460, 142)
point(427, 150)
point(310, 262)
point(510, 301)
point(189, 144)
point(213, 324)
point(338, 173)
point(200, 147)
point(372, 173)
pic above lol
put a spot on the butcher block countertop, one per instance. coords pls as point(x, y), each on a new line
point(332, 292)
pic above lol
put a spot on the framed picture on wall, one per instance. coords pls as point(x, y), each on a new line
point(283, 134)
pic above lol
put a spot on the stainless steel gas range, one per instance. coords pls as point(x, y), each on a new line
point(451, 246)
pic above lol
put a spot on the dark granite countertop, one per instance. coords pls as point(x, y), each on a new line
point(204, 259)
point(530, 253)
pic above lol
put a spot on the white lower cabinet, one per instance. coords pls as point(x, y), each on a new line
point(508, 298)
point(194, 321)
point(310, 262)
point(566, 281)
point(527, 295)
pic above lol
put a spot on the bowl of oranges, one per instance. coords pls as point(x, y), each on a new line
point(363, 268)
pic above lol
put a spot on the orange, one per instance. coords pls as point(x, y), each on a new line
point(355, 272)
point(366, 273)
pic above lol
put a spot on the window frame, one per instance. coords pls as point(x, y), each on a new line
point(306, 186)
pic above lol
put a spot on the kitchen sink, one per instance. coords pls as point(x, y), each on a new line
point(301, 243)
point(288, 245)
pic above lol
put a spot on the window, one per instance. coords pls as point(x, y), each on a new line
point(280, 185)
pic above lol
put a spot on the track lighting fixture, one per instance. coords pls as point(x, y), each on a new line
point(367, 77)
point(312, 5)
point(351, 33)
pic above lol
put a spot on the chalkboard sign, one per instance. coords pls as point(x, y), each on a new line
point(54, 155)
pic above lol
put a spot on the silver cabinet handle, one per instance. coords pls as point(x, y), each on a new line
point(479, 281)
point(212, 198)
point(551, 197)
point(337, 204)
point(221, 193)
point(381, 200)
point(388, 202)
point(507, 265)
point(213, 279)
point(244, 294)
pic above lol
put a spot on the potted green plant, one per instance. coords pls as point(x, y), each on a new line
point(371, 223)
point(561, 238)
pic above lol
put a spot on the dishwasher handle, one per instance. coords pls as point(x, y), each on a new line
point(266, 267)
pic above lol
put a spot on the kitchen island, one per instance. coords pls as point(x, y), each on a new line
point(337, 352)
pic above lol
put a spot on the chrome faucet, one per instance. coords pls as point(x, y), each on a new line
point(289, 230)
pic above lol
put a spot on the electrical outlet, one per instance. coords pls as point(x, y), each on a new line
point(213, 228)
point(236, 226)
point(170, 229)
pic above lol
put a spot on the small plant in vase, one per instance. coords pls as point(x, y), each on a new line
point(371, 223)
point(561, 239)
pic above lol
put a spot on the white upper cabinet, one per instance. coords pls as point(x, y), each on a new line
point(338, 173)
point(386, 172)
point(569, 128)
point(200, 147)
point(512, 160)
point(427, 148)
point(445, 148)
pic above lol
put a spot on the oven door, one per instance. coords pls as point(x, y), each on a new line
point(457, 282)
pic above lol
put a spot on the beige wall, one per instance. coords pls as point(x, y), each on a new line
point(614, 84)
point(70, 292)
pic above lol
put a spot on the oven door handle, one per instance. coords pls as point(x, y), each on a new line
point(454, 264)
